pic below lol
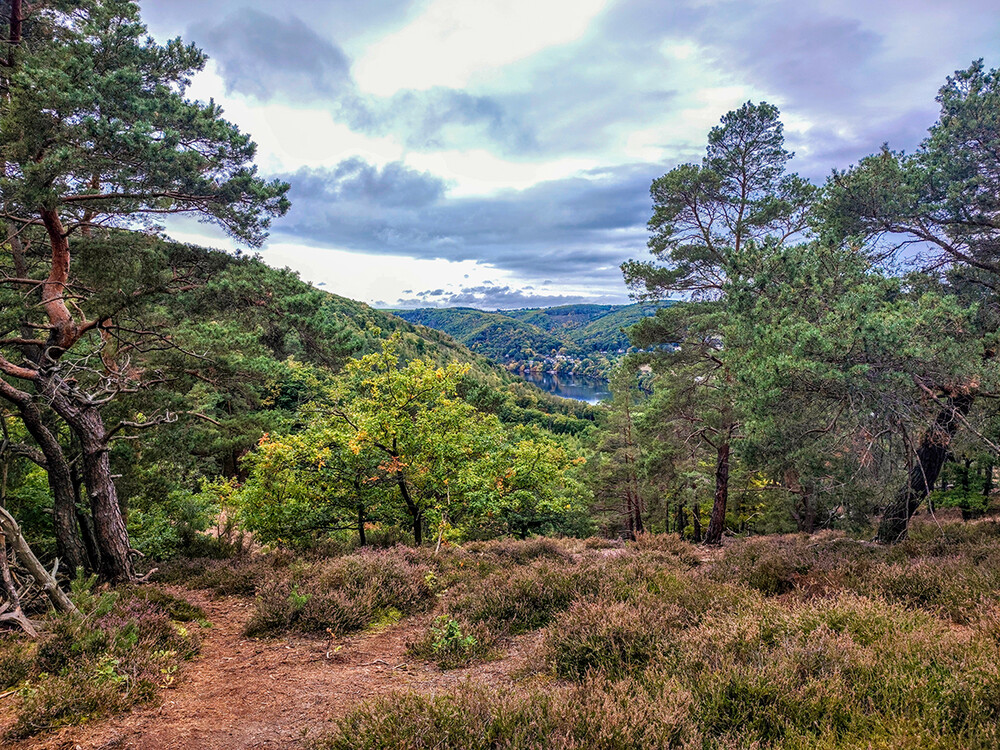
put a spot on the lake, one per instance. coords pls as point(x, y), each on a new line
point(591, 390)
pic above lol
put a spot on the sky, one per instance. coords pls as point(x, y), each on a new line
point(498, 153)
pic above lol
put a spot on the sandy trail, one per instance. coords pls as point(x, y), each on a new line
point(243, 693)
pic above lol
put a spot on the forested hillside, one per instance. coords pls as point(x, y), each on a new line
point(582, 339)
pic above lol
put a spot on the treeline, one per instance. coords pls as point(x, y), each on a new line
point(837, 343)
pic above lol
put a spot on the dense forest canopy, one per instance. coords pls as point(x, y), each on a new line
point(579, 339)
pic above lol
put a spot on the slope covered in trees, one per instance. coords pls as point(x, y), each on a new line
point(583, 339)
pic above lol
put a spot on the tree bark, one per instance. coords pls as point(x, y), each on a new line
point(111, 535)
point(13, 604)
point(69, 541)
point(718, 520)
point(680, 522)
point(362, 540)
point(931, 454)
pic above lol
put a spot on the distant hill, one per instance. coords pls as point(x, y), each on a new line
point(583, 339)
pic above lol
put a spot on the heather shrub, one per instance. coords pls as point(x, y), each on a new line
point(849, 668)
point(520, 600)
point(16, 660)
point(614, 639)
point(951, 586)
point(175, 608)
point(345, 594)
point(520, 551)
point(600, 542)
point(596, 715)
point(667, 547)
point(118, 654)
point(763, 565)
point(238, 576)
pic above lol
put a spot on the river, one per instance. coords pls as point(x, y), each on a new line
point(591, 390)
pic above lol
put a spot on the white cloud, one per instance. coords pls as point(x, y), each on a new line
point(455, 42)
point(289, 137)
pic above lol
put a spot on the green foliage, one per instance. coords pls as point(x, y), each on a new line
point(392, 443)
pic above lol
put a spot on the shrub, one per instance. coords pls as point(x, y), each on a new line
point(451, 643)
point(118, 654)
point(519, 600)
point(16, 661)
point(594, 716)
point(239, 576)
point(600, 542)
point(669, 547)
point(953, 587)
point(345, 594)
point(615, 639)
point(520, 551)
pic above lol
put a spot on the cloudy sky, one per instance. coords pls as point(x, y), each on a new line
point(498, 153)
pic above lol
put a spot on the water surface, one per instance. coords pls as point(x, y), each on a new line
point(591, 390)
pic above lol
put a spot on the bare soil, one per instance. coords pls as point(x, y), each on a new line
point(242, 693)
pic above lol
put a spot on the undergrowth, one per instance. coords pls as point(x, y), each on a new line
point(124, 647)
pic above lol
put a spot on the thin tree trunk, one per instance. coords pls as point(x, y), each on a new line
point(930, 457)
point(415, 515)
point(696, 521)
point(56, 595)
point(362, 539)
point(717, 522)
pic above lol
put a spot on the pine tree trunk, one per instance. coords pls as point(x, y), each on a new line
point(696, 521)
point(718, 520)
point(930, 457)
point(69, 541)
point(110, 533)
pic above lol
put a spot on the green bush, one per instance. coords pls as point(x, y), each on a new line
point(452, 643)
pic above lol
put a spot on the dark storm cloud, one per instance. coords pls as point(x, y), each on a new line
point(576, 229)
point(259, 54)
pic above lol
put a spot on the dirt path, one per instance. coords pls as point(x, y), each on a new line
point(243, 693)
